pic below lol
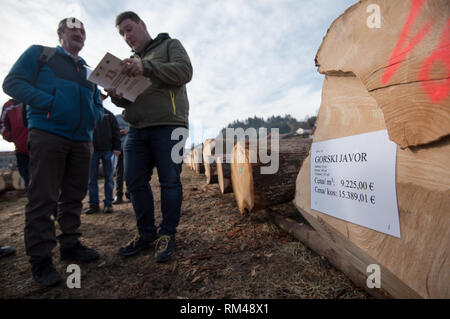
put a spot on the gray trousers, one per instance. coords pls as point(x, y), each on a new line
point(59, 173)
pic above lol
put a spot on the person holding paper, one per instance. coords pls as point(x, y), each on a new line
point(153, 116)
point(63, 108)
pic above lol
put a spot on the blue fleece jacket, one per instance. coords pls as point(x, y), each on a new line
point(59, 98)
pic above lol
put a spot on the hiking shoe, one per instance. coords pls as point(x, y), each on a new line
point(7, 251)
point(79, 252)
point(136, 245)
point(92, 209)
point(164, 248)
point(44, 273)
point(108, 209)
point(118, 200)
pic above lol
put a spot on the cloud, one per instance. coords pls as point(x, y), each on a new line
point(249, 57)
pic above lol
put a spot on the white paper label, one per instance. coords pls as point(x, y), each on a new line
point(353, 178)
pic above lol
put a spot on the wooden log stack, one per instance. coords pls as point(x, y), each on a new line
point(395, 77)
point(10, 180)
point(197, 159)
point(210, 161)
point(224, 173)
point(187, 160)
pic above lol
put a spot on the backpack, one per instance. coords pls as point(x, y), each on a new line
point(46, 54)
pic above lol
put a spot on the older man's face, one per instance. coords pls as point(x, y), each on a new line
point(72, 39)
point(134, 34)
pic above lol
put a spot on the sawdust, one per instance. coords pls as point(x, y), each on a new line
point(219, 254)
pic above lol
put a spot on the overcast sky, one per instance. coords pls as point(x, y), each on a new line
point(250, 57)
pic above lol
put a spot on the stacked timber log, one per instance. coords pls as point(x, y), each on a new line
point(258, 183)
point(197, 158)
point(222, 155)
point(187, 160)
point(224, 173)
point(10, 180)
point(395, 77)
point(210, 161)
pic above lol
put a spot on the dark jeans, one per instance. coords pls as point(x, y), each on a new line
point(22, 165)
point(59, 173)
point(145, 149)
point(105, 157)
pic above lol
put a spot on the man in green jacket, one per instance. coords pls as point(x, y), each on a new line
point(155, 117)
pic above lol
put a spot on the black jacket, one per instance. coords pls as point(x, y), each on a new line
point(107, 134)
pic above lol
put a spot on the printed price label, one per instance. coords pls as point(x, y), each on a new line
point(353, 178)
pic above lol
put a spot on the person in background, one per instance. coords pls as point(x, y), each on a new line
point(63, 108)
point(13, 130)
point(124, 128)
point(106, 145)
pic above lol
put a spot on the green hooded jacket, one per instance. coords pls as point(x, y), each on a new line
point(165, 102)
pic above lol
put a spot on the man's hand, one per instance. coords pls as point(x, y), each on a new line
point(123, 132)
point(133, 67)
point(113, 93)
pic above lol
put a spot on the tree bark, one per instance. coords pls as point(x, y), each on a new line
point(256, 189)
point(210, 162)
point(224, 174)
point(198, 161)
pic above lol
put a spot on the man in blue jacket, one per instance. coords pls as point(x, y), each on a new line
point(62, 111)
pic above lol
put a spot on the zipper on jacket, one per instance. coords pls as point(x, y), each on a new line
point(80, 102)
point(172, 98)
point(54, 96)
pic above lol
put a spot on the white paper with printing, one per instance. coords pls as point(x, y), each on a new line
point(353, 178)
point(108, 74)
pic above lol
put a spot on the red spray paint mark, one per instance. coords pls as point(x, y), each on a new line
point(399, 54)
point(437, 92)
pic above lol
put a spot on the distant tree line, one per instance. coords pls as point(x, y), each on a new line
point(285, 124)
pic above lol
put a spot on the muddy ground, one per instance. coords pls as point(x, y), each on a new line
point(219, 254)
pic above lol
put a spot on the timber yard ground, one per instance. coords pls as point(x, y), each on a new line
point(220, 254)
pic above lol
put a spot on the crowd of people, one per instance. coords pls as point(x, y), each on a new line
point(62, 131)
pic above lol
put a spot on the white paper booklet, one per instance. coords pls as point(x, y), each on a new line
point(108, 74)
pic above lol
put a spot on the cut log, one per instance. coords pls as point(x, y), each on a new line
point(404, 64)
point(191, 163)
point(417, 265)
point(198, 162)
point(187, 160)
point(210, 162)
point(224, 174)
point(257, 187)
point(2, 184)
point(17, 181)
point(211, 174)
point(316, 242)
point(6, 180)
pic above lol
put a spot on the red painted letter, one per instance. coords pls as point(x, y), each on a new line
point(399, 54)
point(437, 92)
